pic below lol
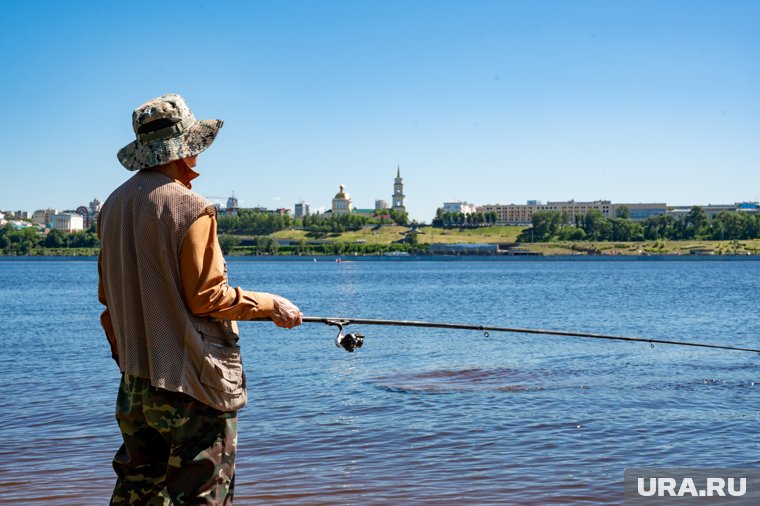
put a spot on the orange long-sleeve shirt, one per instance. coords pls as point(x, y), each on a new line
point(204, 282)
point(204, 279)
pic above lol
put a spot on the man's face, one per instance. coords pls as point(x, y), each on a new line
point(191, 162)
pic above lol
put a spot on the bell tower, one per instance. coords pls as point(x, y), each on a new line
point(398, 192)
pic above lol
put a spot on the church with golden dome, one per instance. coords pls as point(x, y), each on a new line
point(341, 203)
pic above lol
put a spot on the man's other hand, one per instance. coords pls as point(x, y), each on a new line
point(285, 314)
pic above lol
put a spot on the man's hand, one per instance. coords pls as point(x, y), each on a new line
point(285, 313)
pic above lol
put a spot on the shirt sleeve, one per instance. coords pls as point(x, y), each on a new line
point(204, 278)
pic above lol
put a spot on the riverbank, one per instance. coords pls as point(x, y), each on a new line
point(422, 258)
point(682, 249)
point(417, 241)
point(748, 247)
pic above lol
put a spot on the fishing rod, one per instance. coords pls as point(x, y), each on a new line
point(352, 341)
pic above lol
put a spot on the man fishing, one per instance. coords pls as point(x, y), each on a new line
point(170, 318)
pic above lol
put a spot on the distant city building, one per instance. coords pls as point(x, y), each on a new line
point(95, 206)
point(398, 192)
point(87, 217)
point(341, 203)
point(21, 215)
point(459, 207)
point(223, 211)
point(515, 214)
point(713, 209)
point(44, 217)
point(231, 208)
point(302, 209)
point(381, 204)
point(68, 222)
point(639, 211)
point(262, 209)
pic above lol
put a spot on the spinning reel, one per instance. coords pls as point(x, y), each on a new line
point(348, 342)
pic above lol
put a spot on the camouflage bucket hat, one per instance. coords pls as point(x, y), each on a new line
point(166, 130)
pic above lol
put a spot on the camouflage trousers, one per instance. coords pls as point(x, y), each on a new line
point(176, 449)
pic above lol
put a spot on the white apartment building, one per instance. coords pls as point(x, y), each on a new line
point(459, 207)
point(68, 222)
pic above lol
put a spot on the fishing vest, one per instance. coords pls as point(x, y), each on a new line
point(142, 226)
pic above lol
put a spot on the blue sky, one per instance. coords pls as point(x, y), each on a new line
point(483, 101)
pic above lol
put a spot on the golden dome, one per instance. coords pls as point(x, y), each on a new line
point(342, 195)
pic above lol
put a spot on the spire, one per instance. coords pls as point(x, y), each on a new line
point(398, 191)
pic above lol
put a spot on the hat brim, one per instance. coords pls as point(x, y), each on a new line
point(196, 139)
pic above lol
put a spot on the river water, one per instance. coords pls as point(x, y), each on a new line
point(416, 416)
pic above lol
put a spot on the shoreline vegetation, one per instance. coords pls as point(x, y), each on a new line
point(397, 240)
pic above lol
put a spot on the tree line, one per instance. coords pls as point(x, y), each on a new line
point(250, 222)
point(446, 219)
point(26, 241)
point(267, 246)
point(594, 226)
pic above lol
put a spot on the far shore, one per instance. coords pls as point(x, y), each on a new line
point(394, 241)
point(706, 250)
